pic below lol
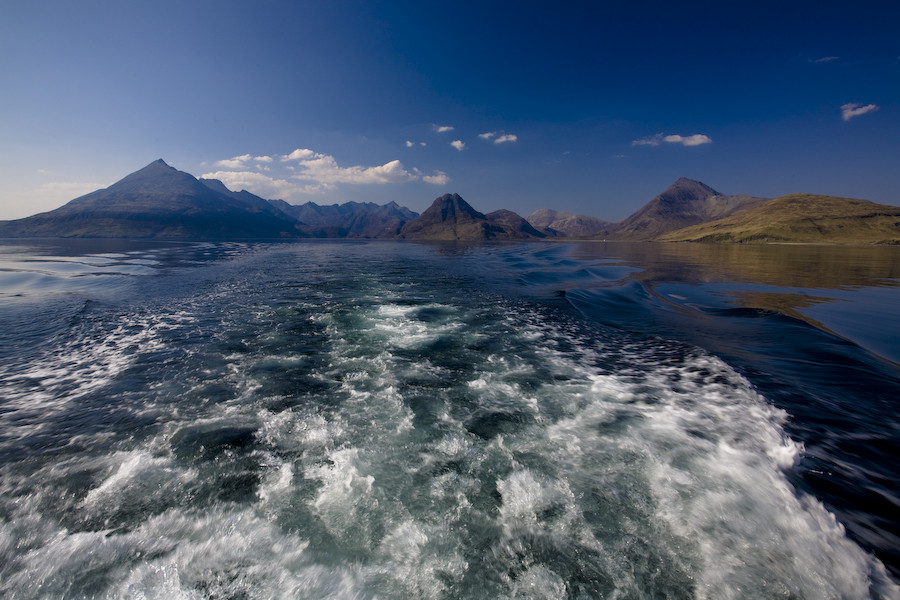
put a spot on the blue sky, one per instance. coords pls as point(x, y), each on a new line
point(589, 107)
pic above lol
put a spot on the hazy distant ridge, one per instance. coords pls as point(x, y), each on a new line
point(351, 219)
point(564, 224)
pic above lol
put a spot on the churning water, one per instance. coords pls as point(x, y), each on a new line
point(362, 420)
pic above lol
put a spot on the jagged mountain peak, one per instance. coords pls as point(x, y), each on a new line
point(155, 169)
point(452, 206)
point(451, 218)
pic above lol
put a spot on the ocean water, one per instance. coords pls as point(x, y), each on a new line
point(402, 420)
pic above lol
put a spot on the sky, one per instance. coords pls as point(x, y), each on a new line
point(587, 107)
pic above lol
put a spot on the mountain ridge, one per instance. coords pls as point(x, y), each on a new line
point(159, 201)
point(350, 219)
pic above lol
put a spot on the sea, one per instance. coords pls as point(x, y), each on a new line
point(380, 419)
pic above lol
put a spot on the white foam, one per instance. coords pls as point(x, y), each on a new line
point(345, 496)
point(401, 329)
point(137, 476)
point(277, 482)
point(525, 495)
point(80, 365)
point(665, 477)
point(537, 581)
point(180, 555)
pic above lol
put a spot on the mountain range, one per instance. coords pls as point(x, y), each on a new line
point(161, 202)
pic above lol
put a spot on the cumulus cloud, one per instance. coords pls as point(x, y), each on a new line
point(439, 178)
point(458, 144)
point(409, 144)
point(324, 170)
point(443, 128)
point(234, 163)
point(258, 183)
point(487, 135)
point(298, 154)
point(854, 109)
point(696, 139)
point(305, 171)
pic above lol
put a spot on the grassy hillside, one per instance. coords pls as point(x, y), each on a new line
point(801, 218)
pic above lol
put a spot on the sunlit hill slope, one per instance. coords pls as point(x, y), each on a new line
point(800, 218)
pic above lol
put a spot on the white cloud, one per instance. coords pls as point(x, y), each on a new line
point(304, 172)
point(691, 140)
point(443, 128)
point(499, 138)
point(298, 154)
point(265, 159)
point(696, 139)
point(854, 109)
point(324, 170)
point(409, 144)
point(234, 163)
point(439, 178)
point(259, 184)
point(458, 144)
point(825, 59)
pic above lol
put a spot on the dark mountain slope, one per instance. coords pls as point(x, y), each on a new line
point(452, 218)
point(159, 201)
point(514, 224)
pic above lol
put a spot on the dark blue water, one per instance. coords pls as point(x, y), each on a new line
point(404, 420)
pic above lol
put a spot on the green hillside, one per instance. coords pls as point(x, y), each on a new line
point(800, 218)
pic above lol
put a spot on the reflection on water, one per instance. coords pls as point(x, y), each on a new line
point(38, 268)
point(834, 288)
point(795, 266)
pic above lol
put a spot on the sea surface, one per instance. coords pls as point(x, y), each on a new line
point(355, 419)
